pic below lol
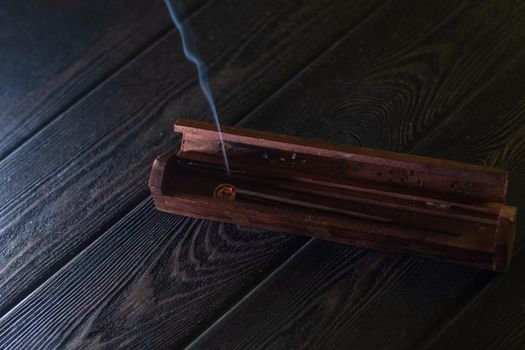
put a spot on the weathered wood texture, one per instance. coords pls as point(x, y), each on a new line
point(340, 297)
point(52, 53)
point(152, 281)
point(439, 78)
point(401, 104)
point(495, 319)
point(95, 169)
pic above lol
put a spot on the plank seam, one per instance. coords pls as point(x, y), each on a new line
point(412, 148)
point(59, 265)
point(64, 262)
point(462, 309)
point(253, 290)
point(441, 124)
point(97, 83)
point(315, 59)
point(131, 206)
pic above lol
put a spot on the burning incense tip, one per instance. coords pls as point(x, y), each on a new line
point(224, 191)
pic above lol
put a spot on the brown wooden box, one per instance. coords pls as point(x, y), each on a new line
point(353, 195)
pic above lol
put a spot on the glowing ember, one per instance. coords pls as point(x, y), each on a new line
point(224, 191)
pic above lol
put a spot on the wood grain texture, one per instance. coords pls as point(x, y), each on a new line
point(495, 318)
point(66, 200)
point(406, 298)
point(67, 185)
point(336, 300)
point(490, 133)
point(492, 320)
point(334, 297)
point(150, 281)
point(54, 52)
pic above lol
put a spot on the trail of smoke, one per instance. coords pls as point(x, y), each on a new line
point(192, 56)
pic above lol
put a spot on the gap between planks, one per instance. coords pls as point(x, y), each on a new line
point(317, 58)
point(65, 262)
point(241, 300)
point(427, 343)
point(416, 145)
point(136, 54)
point(78, 99)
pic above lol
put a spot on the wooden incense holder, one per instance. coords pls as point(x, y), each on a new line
point(353, 195)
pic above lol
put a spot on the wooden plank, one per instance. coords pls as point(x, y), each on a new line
point(65, 187)
point(345, 298)
point(337, 297)
point(153, 272)
point(54, 52)
point(93, 328)
point(493, 320)
point(332, 297)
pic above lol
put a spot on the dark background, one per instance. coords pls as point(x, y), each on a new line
point(88, 93)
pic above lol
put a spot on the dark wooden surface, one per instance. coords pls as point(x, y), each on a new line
point(54, 53)
point(88, 94)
